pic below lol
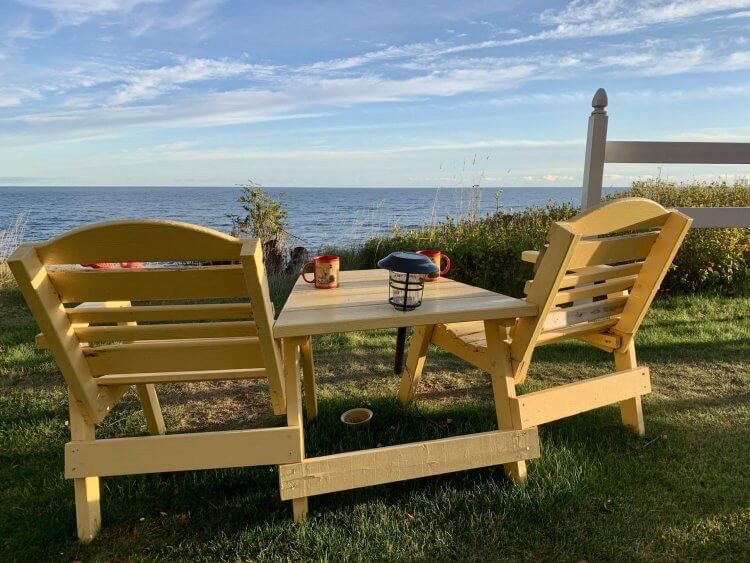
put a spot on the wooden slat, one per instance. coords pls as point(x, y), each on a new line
point(340, 472)
point(559, 318)
point(144, 284)
point(180, 376)
point(559, 402)
point(610, 250)
point(566, 333)
point(665, 152)
point(139, 241)
point(604, 341)
point(174, 355)
point(599, 274)
point(623, 214)
point(159, 313)
point(182, 452)
point(530, 256)
point(472, 353)
point(165, 331)
point(595, 290)
point(464, 329)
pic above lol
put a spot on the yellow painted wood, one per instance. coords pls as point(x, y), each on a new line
point(631, 409)
point(547, 279)
point(568, 316)
point(652, 273)
point(346, 309)
point(160, 313)
point(229, 329)
point(530, 256)
point(466, 328)
point(49, 314)
point(594, 290)
point(86, 489)
point(472, 353)
point(574, 331)
point(256, 282)
point(365, 468)
point(174, 355)
point(623, 214)
point(603, 341)
point(149, 284)
point(600, 274)
point(151, 408)
point(181, 376)
point(562, 401)
point(182, 452)
point(418, 344)
point(503, 389)
point(294, 413)
point(308, 378)
point(610, 250)
point(139, 241)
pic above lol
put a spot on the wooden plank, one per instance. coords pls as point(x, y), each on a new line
point(174, 355)
point(182, 452)
point(159, 313)
point(530, 256)
point(568, 332)
point(596, 138)
point(610, 250)
point(604, 341)
point(670, 152)
point(145, 284)
point(139, 241)
point(291, 354)
point(464, 329)
point(559, 318)
point(340, 472)
point(473, 353)
point(559, 402)
point(415, 360)
point(151, 408)
point(710, 217)
point(594, 290)
point(599, 274)
point(165, 331)
point(49, 313)
point(180, 376)
point(623, 214)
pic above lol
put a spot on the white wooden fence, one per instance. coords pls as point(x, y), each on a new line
point(600, 151)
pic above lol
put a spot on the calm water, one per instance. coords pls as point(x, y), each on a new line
point(317, 216)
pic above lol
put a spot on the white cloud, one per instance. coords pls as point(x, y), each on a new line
point(75, 12)
point(556, 178)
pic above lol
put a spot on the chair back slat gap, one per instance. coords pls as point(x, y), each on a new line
point(177, 331)
point(594, 290)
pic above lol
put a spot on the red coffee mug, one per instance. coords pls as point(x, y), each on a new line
point(325, 272)
point(437, 257)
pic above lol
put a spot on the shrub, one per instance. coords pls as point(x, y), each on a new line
point(487, 252)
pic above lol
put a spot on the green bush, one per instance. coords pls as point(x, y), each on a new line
point(487, 252)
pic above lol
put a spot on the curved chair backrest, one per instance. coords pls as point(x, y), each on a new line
point(191, 315)
point(599, 274)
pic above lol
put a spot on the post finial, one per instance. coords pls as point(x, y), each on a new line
point(599, 102)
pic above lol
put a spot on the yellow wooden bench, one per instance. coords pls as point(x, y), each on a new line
point(593, 282)
point(216, 325)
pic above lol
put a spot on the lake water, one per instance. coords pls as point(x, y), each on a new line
point(317, 216)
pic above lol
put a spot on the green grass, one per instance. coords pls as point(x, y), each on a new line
point(682, 492)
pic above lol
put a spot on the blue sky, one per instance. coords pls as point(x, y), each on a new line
point(378, 93)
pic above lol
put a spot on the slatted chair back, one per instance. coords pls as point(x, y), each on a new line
point(188, 315)
point(598, 275)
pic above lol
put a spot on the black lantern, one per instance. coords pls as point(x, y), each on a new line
point(405, 289)
point(406, 279)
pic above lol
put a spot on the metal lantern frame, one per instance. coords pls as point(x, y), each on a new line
point(405, 294)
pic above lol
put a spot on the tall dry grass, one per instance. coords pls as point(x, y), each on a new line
point(10, 238)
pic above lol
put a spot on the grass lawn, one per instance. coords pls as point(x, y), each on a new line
point(682, 492)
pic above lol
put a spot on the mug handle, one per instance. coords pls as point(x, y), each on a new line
point(447, 268)
point(305, 268)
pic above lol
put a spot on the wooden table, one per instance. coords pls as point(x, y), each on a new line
point(361, 303)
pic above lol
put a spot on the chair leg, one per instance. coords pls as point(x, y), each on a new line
point(503, 388)
point(292, 347)
point(420, 341)
point(631, 410)
point(151, 408)
point(88, 509)
point(308, 376)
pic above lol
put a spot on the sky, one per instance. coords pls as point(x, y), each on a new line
point(361, 93)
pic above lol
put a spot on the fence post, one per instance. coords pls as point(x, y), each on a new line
point(596, 144)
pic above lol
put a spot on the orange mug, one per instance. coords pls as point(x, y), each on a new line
point(437, 257)
point(325, 272)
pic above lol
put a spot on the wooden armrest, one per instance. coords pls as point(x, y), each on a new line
point(530, 256)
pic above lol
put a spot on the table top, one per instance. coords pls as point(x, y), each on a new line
point(361, 303)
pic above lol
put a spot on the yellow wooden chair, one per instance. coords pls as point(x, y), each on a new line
point(217, 326)
point(594, 281)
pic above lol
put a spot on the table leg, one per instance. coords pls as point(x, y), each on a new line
point(420, 341)
point(503, 386)
point(292, 348)
point(308, 373)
